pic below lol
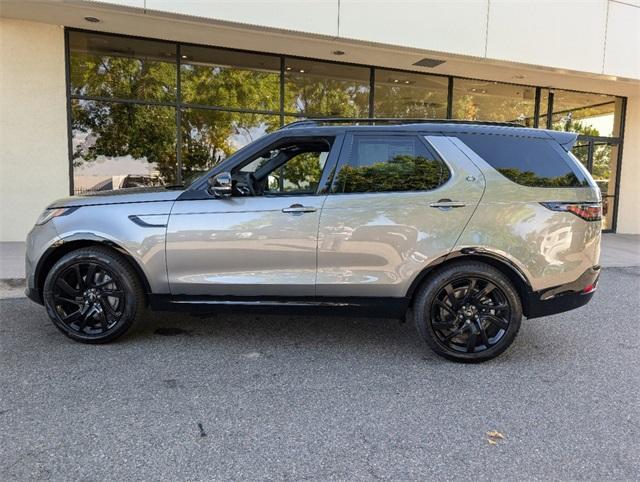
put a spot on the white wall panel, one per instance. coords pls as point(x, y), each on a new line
point(34, 162)
point(123, 3)
point(622, 54)
point(558, 33)
point(628, 218)
point(313, 16)
point(456, 26)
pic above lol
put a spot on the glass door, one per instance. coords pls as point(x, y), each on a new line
point(600, 157)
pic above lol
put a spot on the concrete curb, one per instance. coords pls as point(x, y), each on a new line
point(12, 288)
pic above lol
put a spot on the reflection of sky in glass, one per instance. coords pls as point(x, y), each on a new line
point(602, 123)
point(244, 136)
point(109, 166)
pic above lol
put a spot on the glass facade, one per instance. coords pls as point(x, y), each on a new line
point(325, 89)
point(493, 101)
point(407, 95)
point(147, 112)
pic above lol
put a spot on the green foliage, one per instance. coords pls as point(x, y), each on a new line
point(528, 178)
point(326, 97)
point(302, 173)
point(113, 130)
point(402, 173)
point(122, 77)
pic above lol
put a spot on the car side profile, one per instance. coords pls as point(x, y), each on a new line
point(463, 227)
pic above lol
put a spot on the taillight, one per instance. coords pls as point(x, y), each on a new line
point(586, 211)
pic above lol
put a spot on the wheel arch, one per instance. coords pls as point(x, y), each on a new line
point(502, 264)
point(59, 249)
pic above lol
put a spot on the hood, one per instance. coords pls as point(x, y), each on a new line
point(120, 196)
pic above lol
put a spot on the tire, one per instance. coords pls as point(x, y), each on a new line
point(468, 325)
point(93, 295)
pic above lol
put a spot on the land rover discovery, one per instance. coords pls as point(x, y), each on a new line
point(463, 227)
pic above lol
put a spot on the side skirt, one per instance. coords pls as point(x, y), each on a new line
point(355, 306)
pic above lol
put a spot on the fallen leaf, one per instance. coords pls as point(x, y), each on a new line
point(492, 442)
point(495, 434)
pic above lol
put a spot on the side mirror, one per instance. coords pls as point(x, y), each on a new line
point(221, 185)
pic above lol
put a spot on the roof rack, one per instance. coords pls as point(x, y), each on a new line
point(390, 120)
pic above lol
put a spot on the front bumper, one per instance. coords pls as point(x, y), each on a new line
point(33, 295)
point(40, 240)
point(563, 298)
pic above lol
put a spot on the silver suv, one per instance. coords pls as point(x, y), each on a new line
point(464, 227)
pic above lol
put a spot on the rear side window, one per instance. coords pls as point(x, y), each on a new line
point(389, 163)
point(530, 162)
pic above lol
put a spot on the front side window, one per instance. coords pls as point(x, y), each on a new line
point(389, 163)
point(526, 161)
point(290, 167)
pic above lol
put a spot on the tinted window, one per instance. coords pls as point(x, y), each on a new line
point(530, 162)
point(393, 163)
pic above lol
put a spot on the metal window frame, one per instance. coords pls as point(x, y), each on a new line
point(179, 105)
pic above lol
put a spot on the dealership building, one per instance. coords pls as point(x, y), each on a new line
point(117, 94)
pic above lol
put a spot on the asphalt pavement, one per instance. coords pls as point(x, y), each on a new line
point(256, 397)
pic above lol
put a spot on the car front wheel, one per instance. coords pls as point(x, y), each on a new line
point(468, 312)
point(93, 295)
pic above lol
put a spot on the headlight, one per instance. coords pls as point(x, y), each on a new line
point(49, 214)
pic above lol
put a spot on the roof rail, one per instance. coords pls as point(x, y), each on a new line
point(390, 120)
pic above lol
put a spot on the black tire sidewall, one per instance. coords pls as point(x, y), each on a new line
point(425, 298)
point(105, 260)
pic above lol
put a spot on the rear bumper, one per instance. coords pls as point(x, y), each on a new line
point(563, 298)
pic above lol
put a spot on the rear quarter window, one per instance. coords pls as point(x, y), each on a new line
point(526, 161)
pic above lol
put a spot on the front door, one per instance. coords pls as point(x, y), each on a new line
point(262, 241)
point(395, 206)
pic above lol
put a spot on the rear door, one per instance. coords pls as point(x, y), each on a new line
point(397, 202)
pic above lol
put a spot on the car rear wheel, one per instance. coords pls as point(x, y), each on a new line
point(468, 312)
point(93, 295)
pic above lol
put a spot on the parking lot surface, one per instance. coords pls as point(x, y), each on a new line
point(290, 397)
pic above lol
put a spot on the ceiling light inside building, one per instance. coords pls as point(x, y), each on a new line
point(426, 62)
point(301, 71)
point(92, 19)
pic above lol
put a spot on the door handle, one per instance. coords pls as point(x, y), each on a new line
point(446, 204)
point(299, 209)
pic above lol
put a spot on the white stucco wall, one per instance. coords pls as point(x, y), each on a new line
point(629, 203)
point(33, 123)
point(596, 36)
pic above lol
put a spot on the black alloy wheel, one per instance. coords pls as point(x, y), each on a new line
point(468, 312)
point(93, 295)
point(88, 298)
point(470, 315)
